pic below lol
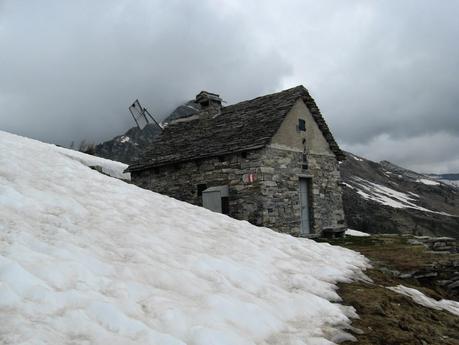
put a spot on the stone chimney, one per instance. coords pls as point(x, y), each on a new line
point(211, 104)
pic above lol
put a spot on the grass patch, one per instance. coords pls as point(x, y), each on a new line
point(386, 317)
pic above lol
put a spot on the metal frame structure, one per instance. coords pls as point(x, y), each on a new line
point(140, 113)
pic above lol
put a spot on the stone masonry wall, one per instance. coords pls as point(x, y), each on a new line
point(180, 181)
point(272, 200)
point(280, 189)
point(280, 174)
point(327, 195)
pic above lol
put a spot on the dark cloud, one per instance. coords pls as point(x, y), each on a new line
point(383, 72)
point(429, 153)
point(70, 70)
point(402, 80)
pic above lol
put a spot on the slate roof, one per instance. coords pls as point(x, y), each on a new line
point(240, 127)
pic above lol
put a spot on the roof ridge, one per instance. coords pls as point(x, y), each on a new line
point(299, 87)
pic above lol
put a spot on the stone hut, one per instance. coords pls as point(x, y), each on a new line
point(271, 161)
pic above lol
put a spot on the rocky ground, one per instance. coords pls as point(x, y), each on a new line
point(389, 318)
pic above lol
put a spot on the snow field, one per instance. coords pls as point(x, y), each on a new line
point(111, 168)
point(89, 259)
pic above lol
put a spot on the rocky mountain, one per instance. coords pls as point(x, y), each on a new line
point(187, 109)
point(385, 198)
point(129, 146)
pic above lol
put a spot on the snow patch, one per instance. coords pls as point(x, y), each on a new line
point(351, 232)
point(388, 196)
point(124, 139)
point(418, 297)
point(428, 182)
point(88, 259)
point(347, 185)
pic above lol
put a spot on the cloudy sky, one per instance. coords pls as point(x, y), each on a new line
point(384, 73)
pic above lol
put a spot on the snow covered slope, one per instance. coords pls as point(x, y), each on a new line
point(89, 259)
point(109, 167)
point(388, 196)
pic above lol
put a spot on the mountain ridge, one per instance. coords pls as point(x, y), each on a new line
point(386, 198)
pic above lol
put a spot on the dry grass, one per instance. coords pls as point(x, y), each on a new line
point(388, 318)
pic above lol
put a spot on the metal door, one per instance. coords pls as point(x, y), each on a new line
point(304, 206)
point(212, 198)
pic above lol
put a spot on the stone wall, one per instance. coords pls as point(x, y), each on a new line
point(280, 173)
point(181, 181)
point(279, 184)
point(272, 200)
point(326, 192)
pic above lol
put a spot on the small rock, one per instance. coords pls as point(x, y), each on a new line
point(356, 330)
point(407, 275)
point(426, 275)
point(405, 326)
point(96, 167)
point(415, 242)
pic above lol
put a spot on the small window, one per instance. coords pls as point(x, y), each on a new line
point(200, 188)
point(244, 154)
point(301, 125)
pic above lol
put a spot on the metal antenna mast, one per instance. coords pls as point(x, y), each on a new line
point(141, 115)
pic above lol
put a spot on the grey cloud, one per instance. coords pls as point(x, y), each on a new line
point(430, 153)
point(387, 69)
point(70, 71)
point(401, 78)
point(378, 69)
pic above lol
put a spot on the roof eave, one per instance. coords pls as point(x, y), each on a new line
point(142, 167)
